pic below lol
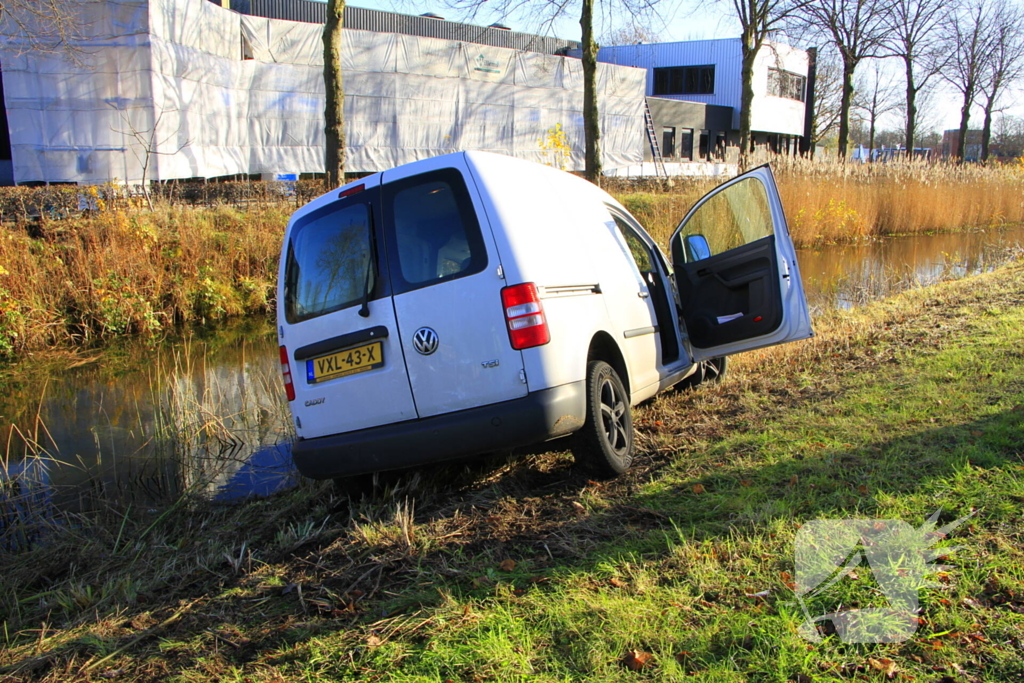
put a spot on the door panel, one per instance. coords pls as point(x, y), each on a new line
point(738, 281)
point(447, 295)
point(336, 302)
point(732, 296)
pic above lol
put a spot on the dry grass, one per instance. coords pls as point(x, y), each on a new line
point(135, 272)
point(462, 566)
point(828, 202)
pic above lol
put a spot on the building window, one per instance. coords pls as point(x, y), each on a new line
point(685, 80)
point(668, 142)
point(786, 84)
point(705, 141)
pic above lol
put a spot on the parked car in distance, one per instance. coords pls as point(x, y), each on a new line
point(475, 302)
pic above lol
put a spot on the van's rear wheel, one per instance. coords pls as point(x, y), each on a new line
point(605, 444)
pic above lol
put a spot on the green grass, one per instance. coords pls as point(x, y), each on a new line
point(523, 570)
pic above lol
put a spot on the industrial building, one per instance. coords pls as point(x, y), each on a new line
point(694, 93)
point(181, 89)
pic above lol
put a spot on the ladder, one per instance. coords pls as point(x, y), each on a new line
point(652, 137)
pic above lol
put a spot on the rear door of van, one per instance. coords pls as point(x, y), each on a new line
point(446, 281)
point(338, 324)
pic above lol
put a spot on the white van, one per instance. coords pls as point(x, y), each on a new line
point(474, 302)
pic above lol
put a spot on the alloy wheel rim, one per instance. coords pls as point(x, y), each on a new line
point(613, 416)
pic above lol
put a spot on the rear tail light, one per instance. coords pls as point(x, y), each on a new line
point(286, 370)
point(527, 325)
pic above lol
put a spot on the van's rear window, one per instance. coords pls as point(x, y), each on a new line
point(328, 263)
point(433, 234)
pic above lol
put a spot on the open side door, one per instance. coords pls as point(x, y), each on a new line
point(736, 271)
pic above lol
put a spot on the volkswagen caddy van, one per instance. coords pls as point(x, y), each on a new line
point(475, 302)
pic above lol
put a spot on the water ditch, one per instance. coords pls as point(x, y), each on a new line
point(137, 425)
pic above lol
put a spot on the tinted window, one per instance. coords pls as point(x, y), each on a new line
point(328, 262)
point(433, 233)
point(684, 80)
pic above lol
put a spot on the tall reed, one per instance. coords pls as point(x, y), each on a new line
point(829, 202)
point(135, 272)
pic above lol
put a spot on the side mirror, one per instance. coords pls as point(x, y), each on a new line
point(697, 248)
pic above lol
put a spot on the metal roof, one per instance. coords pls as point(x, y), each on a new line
point(363, 19)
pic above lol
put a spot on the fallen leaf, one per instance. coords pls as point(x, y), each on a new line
point(975, 432)
point(698, 488)
point(373, 641)
point(759, 594)
point(746, 483)
point(793, 480)
point(618, 583)
point(885, 665)
point(637, 660)
point(863, 489)
point(580, 510)
point(971, 602)
point(507, 565)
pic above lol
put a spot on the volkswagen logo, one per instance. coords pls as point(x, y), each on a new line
point(425, 341)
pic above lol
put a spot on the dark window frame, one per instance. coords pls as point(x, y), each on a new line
point(698, 79)
point(787, 85)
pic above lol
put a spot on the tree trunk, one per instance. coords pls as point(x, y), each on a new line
point(844, 108)
point(591, 122)
point(871, 139)
point(334, 109)
point(986, 131)
point(747, 99)
point(965, 115)
point(911, 109)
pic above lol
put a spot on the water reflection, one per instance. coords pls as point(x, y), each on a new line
point(142, 426)
point(851, 275)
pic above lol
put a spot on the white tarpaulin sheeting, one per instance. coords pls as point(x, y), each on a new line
point(164, 89)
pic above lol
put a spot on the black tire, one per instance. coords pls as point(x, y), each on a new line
point(604, 445)
point(708, 371)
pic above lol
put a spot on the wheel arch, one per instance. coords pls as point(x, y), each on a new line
point(603, 347)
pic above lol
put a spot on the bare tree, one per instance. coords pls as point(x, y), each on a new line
point(543, 14)
point(147, 147)
point(1003, 63)
point(876, 96)
point(334, 108)
point(857, 28)
point(759, 20)
point(967, 39)
point(828, 94)
point(41, 25)
point(633, 34)
point(914, 37)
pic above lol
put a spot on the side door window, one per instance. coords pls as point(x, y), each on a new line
point(736, 271)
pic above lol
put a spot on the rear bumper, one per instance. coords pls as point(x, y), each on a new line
point(539, 416)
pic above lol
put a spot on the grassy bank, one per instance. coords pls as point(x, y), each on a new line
point(134, 271)
point(128, 270)
point(525, 570)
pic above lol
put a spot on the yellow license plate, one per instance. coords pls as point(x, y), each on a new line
point(347, 362)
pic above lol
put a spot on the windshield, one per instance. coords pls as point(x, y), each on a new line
point(328, 258)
